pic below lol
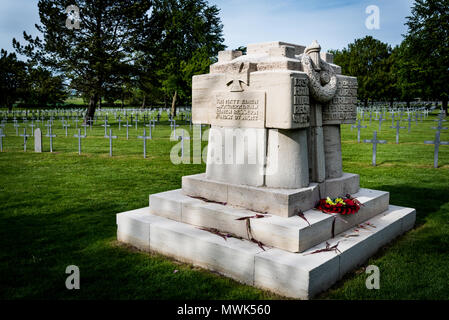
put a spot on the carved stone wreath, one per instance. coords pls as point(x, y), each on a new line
point(322, 85)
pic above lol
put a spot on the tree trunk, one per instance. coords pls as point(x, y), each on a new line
point(408, 103)
point(366, 103)
point(144, 101)
point(173, 104)
point(92, 106)
point(391, 102)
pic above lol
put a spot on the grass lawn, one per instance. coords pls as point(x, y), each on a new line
point(58, 209)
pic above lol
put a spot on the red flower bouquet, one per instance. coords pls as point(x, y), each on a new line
point(346, 205)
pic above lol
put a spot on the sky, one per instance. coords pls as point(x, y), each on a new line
point(334, 23)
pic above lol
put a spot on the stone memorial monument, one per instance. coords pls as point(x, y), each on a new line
point(274, 151)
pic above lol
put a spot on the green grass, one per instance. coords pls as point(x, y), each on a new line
point(58, 209)
point(75, 100)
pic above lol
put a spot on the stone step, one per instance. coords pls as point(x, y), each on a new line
point(276, 201)
point(292, 234)
point(233, 257)
point(297, 275)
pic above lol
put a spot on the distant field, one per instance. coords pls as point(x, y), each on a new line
point(74, 100)
point(59, 208)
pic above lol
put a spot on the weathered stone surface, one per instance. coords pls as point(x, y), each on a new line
point(38, 140)
point(265, 47)
point(348, 183)
point(343, 107)
point(198, 186)
point(281, 202)
point(295, 275)
point(292, 234)
point(332, 151)
point(315, 143)
point(287, 98)
point(287, 160)
point(169, 204)
point(237, 155)
point(134, 227)
point(203, 87)
point(277, 201)
point(228, 55)
point(211, 215)
point(231, 257)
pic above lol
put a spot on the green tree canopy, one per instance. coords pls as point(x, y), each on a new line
point(191, 39)
point(369, 60)
point(13, 79)
point(427, 48)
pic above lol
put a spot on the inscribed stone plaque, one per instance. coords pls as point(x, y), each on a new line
point(301, 106)
point(238, 109)
point(343, 107)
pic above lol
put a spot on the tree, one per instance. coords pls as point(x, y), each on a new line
point(99, 52)
point(13, 79)
point(427, 42)
point(407, 74)
point(44, 88)
point(368, 59)
point(191, 38)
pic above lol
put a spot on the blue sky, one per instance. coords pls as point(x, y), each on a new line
point(334, 23)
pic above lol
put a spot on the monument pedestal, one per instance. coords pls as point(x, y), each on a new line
point(297, 275)
point(183, 224)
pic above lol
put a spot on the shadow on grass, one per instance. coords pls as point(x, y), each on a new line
point(426, 201)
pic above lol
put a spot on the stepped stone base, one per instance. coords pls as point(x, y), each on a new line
point(276, 201)
point(297, 275)
point(291, 234)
